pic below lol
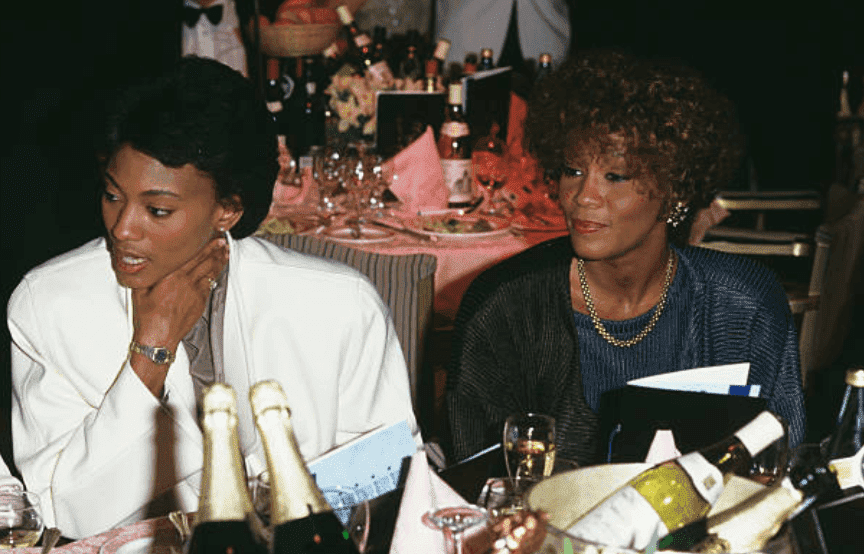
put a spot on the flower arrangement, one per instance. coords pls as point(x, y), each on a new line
point(353, 101)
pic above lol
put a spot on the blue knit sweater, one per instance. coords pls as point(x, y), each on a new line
point(519, 347)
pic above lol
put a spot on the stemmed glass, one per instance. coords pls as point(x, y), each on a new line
point(490, 167)
point(453, 521)
point(529, 446)
point(21, 522)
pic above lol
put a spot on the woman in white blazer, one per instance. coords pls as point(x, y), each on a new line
point(112, 343)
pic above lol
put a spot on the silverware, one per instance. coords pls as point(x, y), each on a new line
point(404, 230)
point(50, 538)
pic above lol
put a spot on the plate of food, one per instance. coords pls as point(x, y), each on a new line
point(539, 218)
point(454, 226)
point(359, 234)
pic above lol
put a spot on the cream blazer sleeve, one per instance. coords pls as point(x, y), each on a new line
point(85, 427)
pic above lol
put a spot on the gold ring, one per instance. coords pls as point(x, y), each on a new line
point(212, 283)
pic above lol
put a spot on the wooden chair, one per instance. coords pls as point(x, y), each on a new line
point(812, 249)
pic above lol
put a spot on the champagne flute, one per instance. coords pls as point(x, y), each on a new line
point(490, 172)
point(21, 522)
point(529, 446)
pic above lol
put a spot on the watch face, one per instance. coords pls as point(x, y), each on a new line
point(160, 355)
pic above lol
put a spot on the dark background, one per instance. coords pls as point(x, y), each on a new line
point(780, 62)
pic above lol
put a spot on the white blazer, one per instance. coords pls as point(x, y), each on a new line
point(471, 25)
point(98, 447)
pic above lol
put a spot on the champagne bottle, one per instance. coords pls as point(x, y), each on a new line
point(846, 446)
point(673, 494)
point(303, 522)
point(454, 149)
point(486, 61)
point(222, 523)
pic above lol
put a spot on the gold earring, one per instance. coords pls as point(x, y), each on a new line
point(677, 214)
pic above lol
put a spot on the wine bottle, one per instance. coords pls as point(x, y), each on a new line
point(673, 494)
point(307, 113)
point(276, 92)
point(544, 67)
point(409, 68)
point(486, 61)
point(454, 149)
point(222, 523)
point(434, 66)
point(469, 66)
point(377, 70)
point(846, 445)
point(303, 522)
point(749, 525)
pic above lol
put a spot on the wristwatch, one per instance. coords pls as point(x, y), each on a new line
point(158, 354)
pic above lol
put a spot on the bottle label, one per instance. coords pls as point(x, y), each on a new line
point(707, 479)
point(849, 470)
point(624, 519)
point(457, 177)
point(455, 129)
point(380, 73)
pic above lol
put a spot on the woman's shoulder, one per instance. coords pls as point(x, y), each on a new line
point(82, 275)
point(733, 275)
point(537, 276)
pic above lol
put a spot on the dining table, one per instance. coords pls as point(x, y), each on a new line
point(461, 254)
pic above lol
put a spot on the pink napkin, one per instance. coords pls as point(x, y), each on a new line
point(424, 491)
point(417, 178)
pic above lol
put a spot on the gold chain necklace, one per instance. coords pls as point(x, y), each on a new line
point(586, 294)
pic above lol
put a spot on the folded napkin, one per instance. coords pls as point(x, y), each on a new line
point(417, 177)
point(662, 448)
point(424, 491)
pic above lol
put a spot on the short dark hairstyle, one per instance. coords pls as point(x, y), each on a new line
point(205, 114)
point(675, 125)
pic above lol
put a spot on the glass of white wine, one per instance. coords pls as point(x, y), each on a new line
point(21, 522)
point(529, 445)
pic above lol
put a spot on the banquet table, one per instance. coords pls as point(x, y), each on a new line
point(460, 258)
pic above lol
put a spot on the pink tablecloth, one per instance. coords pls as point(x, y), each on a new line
point(161, 528)
point(460, 258)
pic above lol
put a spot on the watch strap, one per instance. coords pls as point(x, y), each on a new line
point(157, 354)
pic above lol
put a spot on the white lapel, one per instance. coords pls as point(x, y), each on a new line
point(239, 371)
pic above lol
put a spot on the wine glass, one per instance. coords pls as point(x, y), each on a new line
point(490, 172)
point(21, 522)
point(453, 521)
point(259, 491)
point(529, 446)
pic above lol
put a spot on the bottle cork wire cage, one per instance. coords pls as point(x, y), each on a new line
point(306, 39)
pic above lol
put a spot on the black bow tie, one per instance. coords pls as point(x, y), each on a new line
point(192, 15)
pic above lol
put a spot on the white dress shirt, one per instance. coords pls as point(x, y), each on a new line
point(471, 25)
point(220, 42)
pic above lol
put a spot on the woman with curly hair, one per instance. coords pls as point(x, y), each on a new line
point(638, 147)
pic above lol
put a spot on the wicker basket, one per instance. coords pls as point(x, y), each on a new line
point(287, 41)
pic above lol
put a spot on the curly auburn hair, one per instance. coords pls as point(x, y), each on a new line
point(674, 125)
point(202, 113)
